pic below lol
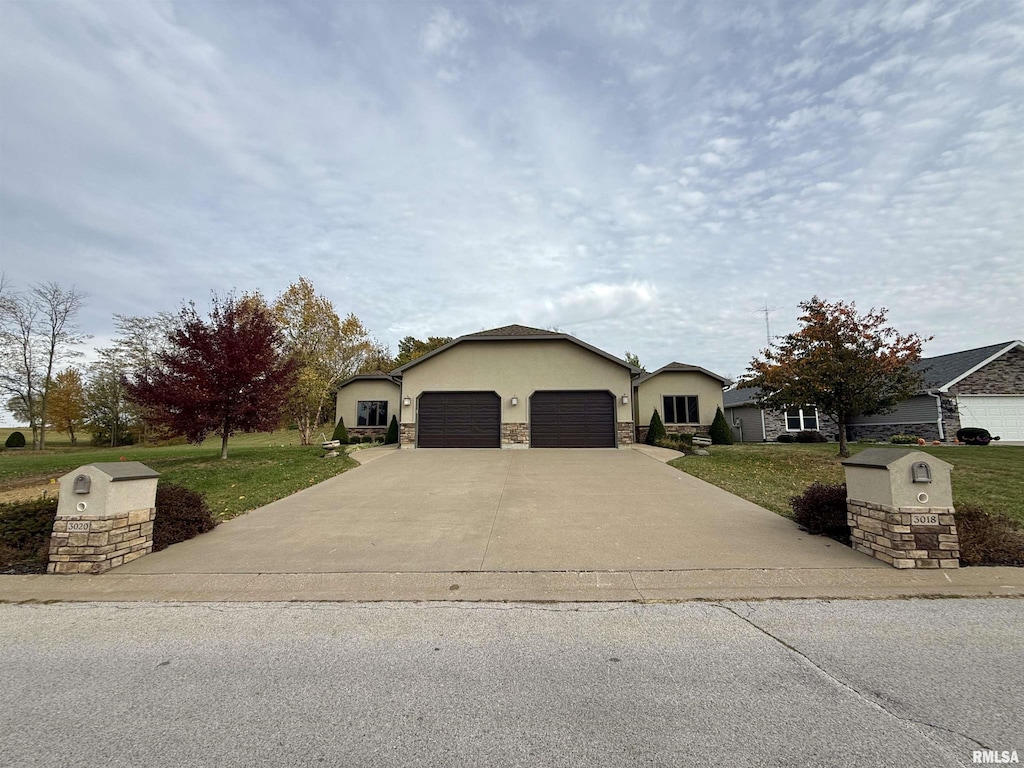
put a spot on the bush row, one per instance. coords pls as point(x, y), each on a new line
point(984, 539)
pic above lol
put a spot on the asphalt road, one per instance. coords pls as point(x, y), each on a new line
point(808, 683)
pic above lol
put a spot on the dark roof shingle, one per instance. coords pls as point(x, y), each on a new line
point(513, 330)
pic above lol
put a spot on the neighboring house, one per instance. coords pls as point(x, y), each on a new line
point(981, 387)
point(753, 425)
point(367, 402)
point(685, 396)
point(516, 387)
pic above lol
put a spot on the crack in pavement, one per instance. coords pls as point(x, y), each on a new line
point(854, 690)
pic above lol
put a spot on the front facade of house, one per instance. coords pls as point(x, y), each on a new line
point(685, 396)
point(751, 424)
point(367, 402)
point(981, 387)
point(516, 387)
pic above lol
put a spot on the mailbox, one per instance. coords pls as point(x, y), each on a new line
point(82, 484)
point(897, 477)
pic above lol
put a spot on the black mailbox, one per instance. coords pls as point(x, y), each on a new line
point(82, 484)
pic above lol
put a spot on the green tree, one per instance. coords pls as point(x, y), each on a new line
point(410, 348)
point(325, 348)
point(656, 431)
point(634, 360)
point(67, 403)
point(107, 410)
point(844, 363)
point(340, 432)
point(392, 436)
point(720, 433)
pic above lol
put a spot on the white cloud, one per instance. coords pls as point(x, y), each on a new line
point(443, 31)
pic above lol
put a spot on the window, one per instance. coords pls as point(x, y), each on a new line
point(681, 409)
point(372, 413)
point(798, 419)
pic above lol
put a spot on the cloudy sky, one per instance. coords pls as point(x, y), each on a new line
point(643, 175)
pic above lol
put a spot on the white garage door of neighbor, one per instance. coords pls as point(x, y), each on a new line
point(1001, 415)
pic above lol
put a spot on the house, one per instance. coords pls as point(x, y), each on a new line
point(367, 402)
point(981, 387)
point(521, 387)
point(685, 396)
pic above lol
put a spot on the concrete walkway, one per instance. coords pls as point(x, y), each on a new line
point(509, 525)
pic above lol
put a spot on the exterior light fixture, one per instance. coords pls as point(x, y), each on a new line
point(515, 400)
point(406, 400)
point(625, 399)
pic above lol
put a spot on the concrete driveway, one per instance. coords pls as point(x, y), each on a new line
point(494, 510)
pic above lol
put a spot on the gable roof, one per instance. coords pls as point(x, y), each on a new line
point(944, 371)
point(375, 376)
point(514, 333)
point(737, 396)
point(680, 367)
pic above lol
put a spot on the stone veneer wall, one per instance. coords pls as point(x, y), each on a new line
point(515, 433)
point(882, 432)
point(377, 433)
point(624, 433)
point(109, 542)
point(887, 534)
point(406, 435)
point(671, 429)
point(775, 425)
point(1003, 376)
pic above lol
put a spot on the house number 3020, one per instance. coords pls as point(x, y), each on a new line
point(924, 519)
point(79, 526)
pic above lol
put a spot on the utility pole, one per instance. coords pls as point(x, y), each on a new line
point(767, 324)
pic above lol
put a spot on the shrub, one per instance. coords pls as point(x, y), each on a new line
point(785, 438)
point(720, 432)
point(810, 436)
point(971, 436)
point(340, 433)
point(181, 514)
point(392, 436)
point(15, 440)
point(904, 439)
point(821, 511)
point(684, 439)
point(656, 431)
point(988, 539)
point(25, 529)
point(368, 438)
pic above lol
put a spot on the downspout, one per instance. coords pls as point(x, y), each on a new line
point(764, 432)
point(938, 409)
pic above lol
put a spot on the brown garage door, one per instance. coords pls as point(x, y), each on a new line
point(572, 420)
point(459, 420)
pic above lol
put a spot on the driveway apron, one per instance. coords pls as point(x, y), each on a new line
point(444, 510)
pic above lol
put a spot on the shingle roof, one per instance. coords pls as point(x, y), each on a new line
point(682, 367)
point(737, 396)
point(513, 330)
point(376, 375)
point(942, 370)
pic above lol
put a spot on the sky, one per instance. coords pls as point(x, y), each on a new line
point(645, 176)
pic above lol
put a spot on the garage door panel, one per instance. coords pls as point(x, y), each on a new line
point(1001, 415)
point(572, 419)
point(459, 420)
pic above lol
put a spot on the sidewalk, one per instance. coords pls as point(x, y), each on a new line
point(531, 586)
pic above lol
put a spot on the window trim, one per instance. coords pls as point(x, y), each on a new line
point(664, 410)
point(800, 414)
point(372, 426)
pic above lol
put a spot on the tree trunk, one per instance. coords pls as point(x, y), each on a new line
point(224, 444)
point(844, 448)
point(71, 434)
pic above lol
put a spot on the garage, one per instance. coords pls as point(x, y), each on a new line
point(459, 420)
point(1001, 415)
point(572, 419)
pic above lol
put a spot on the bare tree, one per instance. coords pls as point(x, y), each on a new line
point(37, 334)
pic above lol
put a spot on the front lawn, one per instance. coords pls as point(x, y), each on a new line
point(768, 474)
point(260, 468)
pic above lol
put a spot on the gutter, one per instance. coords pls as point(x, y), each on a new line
point(938, 410)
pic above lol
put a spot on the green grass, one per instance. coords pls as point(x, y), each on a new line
point(260, 468)
point(769, 474)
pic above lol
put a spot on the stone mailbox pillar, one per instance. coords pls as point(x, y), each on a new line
point(900, 508)
point(104, 517)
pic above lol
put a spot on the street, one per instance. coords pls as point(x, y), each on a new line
point(787, 683)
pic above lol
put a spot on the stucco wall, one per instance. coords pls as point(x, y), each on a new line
point(650, 392)
point(366, 389)
point(517, 368)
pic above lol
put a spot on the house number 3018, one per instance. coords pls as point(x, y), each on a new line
point(924, 519)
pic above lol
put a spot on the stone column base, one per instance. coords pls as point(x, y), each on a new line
point(515, 435)
point(406, 435)
point(93, 544)
point(904, 537)
point(624, 433)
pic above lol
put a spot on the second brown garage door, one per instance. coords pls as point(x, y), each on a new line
point(459, 420)
point(578, 419)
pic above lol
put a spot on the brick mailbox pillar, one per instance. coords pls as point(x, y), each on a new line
point(104, 517)
point(900, 508)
